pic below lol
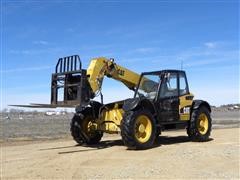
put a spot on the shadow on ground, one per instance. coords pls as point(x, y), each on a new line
point(100, 145)
point(161, 140)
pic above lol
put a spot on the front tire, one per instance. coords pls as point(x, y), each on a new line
point(200, 125)
point(82, 130)
point(138, 129)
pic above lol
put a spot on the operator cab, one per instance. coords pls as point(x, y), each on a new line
point(162, 84)
point(169, 92)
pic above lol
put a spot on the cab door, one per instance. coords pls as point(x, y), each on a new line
point(185, 98)
point(168, 97)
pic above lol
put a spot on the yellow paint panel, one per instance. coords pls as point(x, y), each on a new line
point(185, 104)
point(94, 72)
point(110, 119)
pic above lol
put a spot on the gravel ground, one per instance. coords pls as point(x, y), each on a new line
point(36, 146)
point(173, 157)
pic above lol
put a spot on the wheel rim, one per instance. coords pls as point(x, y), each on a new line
point(202, 123)
point(87, 127)
point(143, 129)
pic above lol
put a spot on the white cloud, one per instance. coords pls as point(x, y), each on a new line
point(40, 42)
point(70, 30)
point(204, 62)
point(20, 52)
point(190, 58)
point(215, 53)
point(145, 50)
point(214, 97)
point(211, 45)
point(38, 68)
point(37, 51)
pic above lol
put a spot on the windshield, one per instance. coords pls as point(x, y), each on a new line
point(148, 86)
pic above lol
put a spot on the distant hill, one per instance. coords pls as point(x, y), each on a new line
point(227, 107)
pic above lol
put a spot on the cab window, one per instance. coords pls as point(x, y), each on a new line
point(183, 89)
point(169, 86)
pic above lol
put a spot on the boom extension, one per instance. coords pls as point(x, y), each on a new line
point(101, 67)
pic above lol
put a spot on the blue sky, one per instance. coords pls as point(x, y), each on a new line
point(141, 36)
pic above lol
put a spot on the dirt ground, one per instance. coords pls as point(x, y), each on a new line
point(173, 156)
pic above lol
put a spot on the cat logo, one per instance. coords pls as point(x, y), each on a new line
point(121, 72)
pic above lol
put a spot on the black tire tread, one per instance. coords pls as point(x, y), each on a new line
point(192, 129)
point(75, 131)
point(127, 132)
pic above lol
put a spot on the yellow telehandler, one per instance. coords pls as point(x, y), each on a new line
point(162, 101)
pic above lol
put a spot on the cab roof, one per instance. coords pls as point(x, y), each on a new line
point(164, 71)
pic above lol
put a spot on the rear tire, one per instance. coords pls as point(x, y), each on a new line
point(138, 129)
point(200, 125)
point(79, 124)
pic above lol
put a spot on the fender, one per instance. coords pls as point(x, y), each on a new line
point(93, 108)
point(197, 103)
point(134, 103)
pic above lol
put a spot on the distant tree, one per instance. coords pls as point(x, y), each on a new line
point(12, 110)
